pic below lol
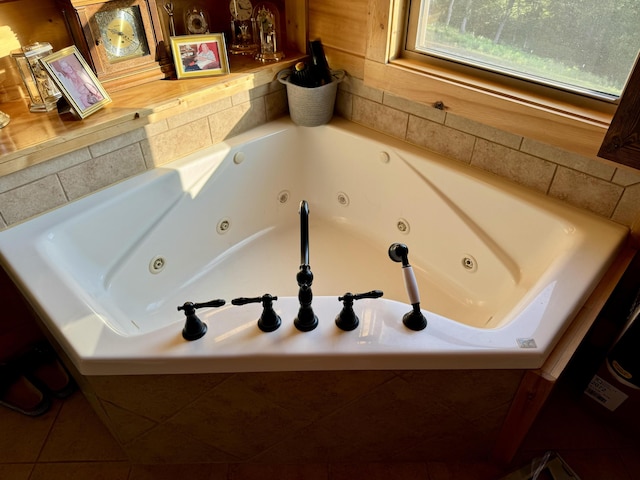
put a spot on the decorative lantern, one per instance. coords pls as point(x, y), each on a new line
point(4, 119)
point(42, 91)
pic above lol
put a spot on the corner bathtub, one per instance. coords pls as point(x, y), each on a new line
point(501, 270)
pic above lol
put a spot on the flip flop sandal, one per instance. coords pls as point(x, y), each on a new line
point(19, 394)
point(41, 365)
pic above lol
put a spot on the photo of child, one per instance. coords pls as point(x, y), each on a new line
point(75, 79)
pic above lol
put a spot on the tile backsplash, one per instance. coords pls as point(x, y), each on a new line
point(592, 184)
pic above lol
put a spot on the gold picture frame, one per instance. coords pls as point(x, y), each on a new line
point(74, 78)
point(200, 55)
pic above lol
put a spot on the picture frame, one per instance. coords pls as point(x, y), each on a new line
point(200, 55)
point(76, 81)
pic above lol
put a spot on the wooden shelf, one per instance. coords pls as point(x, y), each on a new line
point(32, 138)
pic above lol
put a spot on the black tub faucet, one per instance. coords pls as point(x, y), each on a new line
point(306, 319)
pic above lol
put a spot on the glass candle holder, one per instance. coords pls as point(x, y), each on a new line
point(267, 20)
point(4, 119)
point(42, 91)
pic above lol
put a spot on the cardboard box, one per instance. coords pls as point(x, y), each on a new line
point(619, 400)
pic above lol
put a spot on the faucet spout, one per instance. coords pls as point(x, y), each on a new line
point(306, 319)
point(305, 276)
point(304, 232)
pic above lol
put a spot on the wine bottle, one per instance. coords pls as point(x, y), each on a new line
point(319, 66)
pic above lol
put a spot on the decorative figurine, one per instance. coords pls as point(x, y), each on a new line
point(172, 26)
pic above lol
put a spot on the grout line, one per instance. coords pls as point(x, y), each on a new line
point(56, 403)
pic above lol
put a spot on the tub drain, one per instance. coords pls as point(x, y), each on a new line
point(157, 264)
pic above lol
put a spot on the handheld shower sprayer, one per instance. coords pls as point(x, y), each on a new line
point(414, 320)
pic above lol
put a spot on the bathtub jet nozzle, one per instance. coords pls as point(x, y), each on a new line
point(194, 328)
point(414, 320)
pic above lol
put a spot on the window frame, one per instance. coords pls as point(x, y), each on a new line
point(576, 126)
point(551, 89)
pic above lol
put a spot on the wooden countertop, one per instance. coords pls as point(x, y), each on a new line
point(32, 138)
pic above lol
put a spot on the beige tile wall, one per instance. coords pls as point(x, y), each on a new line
point(592, 184)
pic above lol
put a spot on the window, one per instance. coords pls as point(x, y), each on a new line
point(587, 47)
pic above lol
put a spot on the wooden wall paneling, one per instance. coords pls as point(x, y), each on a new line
point(297, 20)
point(19, 26)
point(340, 24)
point(339, 60)
point(378, 33)
point(45, 26)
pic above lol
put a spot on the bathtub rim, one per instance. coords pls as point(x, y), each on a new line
point(98, 363)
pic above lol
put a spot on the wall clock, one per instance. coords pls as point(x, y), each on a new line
point(240, 9)
point(121, 40)
point(196, 20)
point(122, 33)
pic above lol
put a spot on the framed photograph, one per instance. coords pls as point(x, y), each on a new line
point(72, 75)
point(200, 55)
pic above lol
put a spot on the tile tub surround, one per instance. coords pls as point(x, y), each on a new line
point(602, 187)
point(304, 417)
point(51, 184)
point(592, 184)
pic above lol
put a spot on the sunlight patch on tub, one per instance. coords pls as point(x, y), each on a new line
point(194, 176)
point(234, 332)
point(371, 329)
point(507, 261)
point(83, 331)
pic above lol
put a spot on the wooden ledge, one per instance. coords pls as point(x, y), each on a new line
point(32, 138)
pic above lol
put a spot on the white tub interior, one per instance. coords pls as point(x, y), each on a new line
point(495, 264)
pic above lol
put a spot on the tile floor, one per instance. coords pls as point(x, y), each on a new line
point(69, 442)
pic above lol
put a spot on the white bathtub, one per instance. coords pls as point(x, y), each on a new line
point(501, 270)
